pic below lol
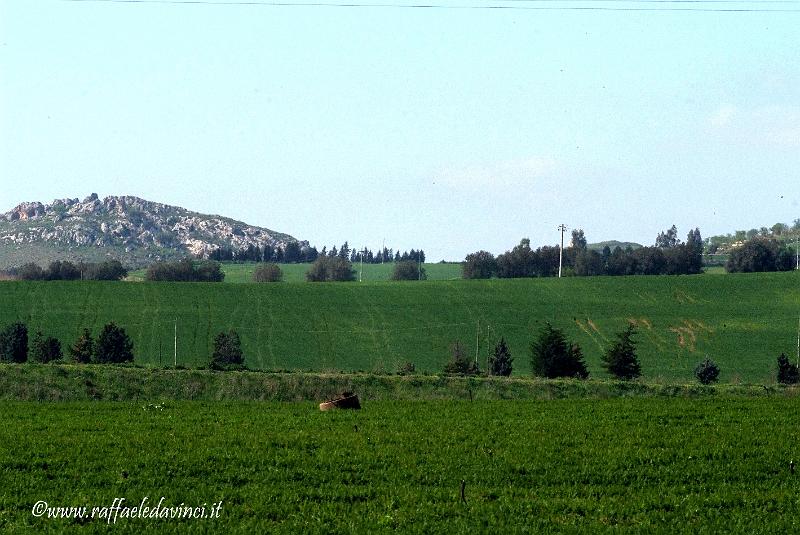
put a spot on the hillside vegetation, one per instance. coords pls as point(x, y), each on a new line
point(742, 321)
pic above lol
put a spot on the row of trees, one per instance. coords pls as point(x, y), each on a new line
point(669, 256)
point(112, 345)
point(65, 270)
point(294, 253)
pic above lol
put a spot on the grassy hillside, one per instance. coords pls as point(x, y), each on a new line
point(741, 321)
point(297, 272)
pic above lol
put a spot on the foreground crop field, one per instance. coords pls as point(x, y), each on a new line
point(654, 465)
point(743, 321)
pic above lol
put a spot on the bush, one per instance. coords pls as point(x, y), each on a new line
point(227, 354)
point(620, 359)
point(459, 363)
point(407, 368)
point(552, 356)
point(500, 363)
point(330, 268)
point(45, 349)
point(788, 373)
point(707, 372)
point(113, 345)
point(14, 343)
point(408, 270)
point(82, 351)
point(267, 272)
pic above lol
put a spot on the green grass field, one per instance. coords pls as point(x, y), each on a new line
point(240, 273)
point(587, 466)
point(743, 322)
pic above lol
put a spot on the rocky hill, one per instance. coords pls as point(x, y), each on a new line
point(133, 230)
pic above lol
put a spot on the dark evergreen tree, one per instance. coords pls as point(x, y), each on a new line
point(788, 373)
point(14, 343)
point(227, 354)
point(344, 251)
point(707, 372)
point(292, 253)
point(82, 351)
point(501, 361)
point(620, 358)
point(45, 349)
point(551, 356)
point(694, 252)
point(113, 345)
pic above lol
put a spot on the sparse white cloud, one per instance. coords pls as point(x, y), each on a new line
point(499, 175)
point(766, 126)
point(723, 115)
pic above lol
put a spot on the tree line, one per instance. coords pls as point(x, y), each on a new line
point(111, 346)
point(294, 253)
point(66, 270)
point(669, 256)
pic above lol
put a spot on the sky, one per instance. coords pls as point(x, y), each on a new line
point(450, 129)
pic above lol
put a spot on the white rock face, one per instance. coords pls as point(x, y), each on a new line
point(132, 223)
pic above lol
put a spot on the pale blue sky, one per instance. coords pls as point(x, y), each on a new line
point(448, 129)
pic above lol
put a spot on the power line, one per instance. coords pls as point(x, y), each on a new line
point(509, 5)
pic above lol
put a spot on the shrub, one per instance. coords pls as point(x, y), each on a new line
point(14, 343)
point(408, 270)
point(113, 345)
point(267, 272)
point(500, 363)
point(707, 372)
point(330, 268)
point(227, 354)
point(459, 363)
point(82, 351)
point(551, 356)
point(45, 349)
point(788, 373)
point(620, 359)
point(406, 368)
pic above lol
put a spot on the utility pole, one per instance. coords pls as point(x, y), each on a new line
point(562, 227)
point(361, 269)
point(383, 248)
point(797, 251)
point(175, 354)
